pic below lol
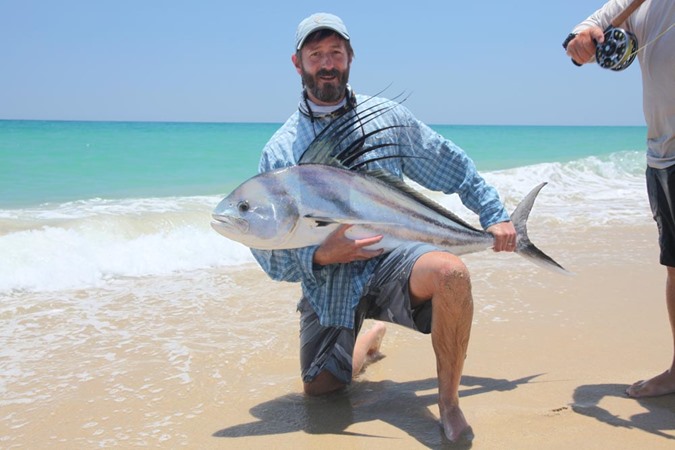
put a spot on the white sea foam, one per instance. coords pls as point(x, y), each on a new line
point(583, 193)
point(91, 242)
point(85, 243)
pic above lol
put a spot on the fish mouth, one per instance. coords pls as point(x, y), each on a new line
point(222, 224)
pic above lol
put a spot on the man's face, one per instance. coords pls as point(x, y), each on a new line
point(324, 68)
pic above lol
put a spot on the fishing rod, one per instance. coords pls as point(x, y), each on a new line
point(620, 47)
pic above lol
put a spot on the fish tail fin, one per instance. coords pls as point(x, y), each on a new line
point(524, 247)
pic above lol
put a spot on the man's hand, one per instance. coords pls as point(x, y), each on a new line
point(505, 236)
point(338, 248)
point(582, 48)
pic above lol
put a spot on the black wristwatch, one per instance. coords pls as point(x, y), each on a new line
point(568, 39)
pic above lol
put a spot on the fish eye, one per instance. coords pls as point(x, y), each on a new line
point(243, 206)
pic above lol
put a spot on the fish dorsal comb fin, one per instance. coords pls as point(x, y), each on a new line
point(402, 187)
point(328, 147)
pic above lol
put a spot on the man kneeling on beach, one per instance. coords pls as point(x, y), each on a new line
point(345, 282)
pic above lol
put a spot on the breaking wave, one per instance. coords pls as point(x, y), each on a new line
point(90, 242)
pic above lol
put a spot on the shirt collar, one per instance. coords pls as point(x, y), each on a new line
point(314, 111)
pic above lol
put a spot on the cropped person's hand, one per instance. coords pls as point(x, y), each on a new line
point(582, 48)
point(505, 236)
point(338, 248)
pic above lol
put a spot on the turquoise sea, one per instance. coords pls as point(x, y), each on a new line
point(51, 162)
point(99, 200)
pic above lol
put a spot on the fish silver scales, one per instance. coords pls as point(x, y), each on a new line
point(301, 205)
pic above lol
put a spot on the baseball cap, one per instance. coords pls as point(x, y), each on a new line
point(319, 21)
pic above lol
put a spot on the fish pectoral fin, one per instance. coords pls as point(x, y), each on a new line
point(322, 221)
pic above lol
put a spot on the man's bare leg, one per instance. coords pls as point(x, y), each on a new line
point(663, 383)
point(444, 279)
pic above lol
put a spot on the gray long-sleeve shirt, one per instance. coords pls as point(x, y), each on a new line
point(657, 61)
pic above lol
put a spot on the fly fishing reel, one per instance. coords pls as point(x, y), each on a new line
point(618, 51)
point(620, 47)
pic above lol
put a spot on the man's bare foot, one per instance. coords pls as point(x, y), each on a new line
point(367, 348)
point(378, 331)
point(455, 426)
point(662, 384)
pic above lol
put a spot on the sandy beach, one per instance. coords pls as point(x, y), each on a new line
point(549, 359)
point(549, 372)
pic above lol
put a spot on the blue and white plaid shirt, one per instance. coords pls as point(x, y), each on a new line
point(334, 291)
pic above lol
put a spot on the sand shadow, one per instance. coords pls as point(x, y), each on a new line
point(403, 405)
point(659, 417)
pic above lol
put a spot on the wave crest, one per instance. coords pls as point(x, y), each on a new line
point(90, 242)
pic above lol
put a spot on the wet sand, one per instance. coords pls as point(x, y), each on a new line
point(549, 360)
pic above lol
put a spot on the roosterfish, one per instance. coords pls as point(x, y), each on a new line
point(300, 205)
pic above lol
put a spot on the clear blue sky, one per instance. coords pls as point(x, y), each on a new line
point(470, 62)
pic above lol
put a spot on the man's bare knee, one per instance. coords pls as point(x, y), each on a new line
point(437, 273)
point(323, 384)
point(453, 274)
point(454, 268)
point(453, 286)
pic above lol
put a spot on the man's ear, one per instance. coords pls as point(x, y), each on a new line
point(297, 63)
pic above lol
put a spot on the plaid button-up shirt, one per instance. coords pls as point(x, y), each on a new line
point(335, 290)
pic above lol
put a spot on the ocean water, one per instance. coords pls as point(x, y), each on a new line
point(125, 320)
point(83, 203)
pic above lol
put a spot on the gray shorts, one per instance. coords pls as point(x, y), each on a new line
point(661, 190)
point(386, 298)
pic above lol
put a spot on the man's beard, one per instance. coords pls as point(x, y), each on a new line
point(328, 92)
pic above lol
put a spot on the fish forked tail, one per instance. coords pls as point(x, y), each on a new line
point(524, 247)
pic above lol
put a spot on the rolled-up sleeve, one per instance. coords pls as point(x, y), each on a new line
point(443, 166)
point(292, 265)
point(287, 265)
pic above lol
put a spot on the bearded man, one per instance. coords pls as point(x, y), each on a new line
point(345, 281)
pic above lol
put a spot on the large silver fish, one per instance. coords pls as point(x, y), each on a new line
point(301, 205)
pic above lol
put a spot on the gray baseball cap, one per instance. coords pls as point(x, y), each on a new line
point(319, 21)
